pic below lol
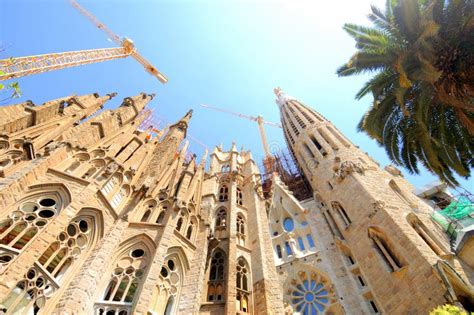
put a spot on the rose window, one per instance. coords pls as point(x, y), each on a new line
point(309, 295)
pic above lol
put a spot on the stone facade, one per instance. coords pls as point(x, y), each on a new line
point(99, 217)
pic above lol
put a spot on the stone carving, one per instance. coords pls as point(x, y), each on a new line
point(377, 205)
point(346, 168)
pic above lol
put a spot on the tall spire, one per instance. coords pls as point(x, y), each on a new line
point(282, 97)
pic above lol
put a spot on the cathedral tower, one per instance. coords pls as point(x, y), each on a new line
point(400, 260)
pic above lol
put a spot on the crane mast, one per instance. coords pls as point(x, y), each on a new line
point(268, 159)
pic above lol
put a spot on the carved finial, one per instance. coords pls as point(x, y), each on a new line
point(112, 95)
point(282, 97)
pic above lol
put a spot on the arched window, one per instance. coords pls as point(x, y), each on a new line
point(166, 294)
point(221, 218)
point(278, 250)
point(221, 223)
point(225, 168)
point(301, 243)
point(146, 216)
point(36, 287)
point(341, 212)
point(120, 196)
point(239, 196)
point(400, 194)
point(426, 234)
point(179, 224)
point(223, 193)
point(216, 277)
point(161, 216)
point(32, 215)
point(385, 249)
point(125, 280)
point(112, 184)
point(189, 232)
point(310, 240)
point(288, 249)
point(242, 285)
point(240, 230)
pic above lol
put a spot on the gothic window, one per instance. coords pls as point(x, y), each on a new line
point(301, 243)
point(146, 216)
point(288, 249)
point(161, 216)
point(242, 286)
point(225, 168)
point(342, 213)
point(166, 293)
point(400, 194)
point(93, 169)
point(425, 234)
point(110, 186)
point(120, 196)
point(125, 279)
point(310, 240)
point(147, 210)
point(179, 224)
point(240, 230)
point(221, 218)
point(332, 225)
point(309, 294)
point(31, 293)
point(318, 145)
point(239, 196)
point(385, 250)
point(223, 193)
point(23, 224)
point(216, 277)
point(189, 232)
point(278, 250)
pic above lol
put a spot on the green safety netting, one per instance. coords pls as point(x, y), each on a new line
point(456, 210)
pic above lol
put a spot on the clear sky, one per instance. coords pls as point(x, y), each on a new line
point(229, 54)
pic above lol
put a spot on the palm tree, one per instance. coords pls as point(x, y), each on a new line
point(422, 52)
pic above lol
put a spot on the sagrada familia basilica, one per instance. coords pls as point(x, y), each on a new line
point(96, 217)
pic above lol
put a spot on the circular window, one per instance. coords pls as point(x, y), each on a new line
point(47, 202)
point(309, 295)
point(171, 264)
point(164, 272)
point(83, 226)
point(5, 258)
point(288, 224)
point(138, 253)
point(29, 207)
point(71, 230)
point(81, 240)
point(46, 213)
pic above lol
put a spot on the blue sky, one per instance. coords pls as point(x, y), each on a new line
point(229, 54)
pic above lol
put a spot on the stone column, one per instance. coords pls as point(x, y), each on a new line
point(191, 293)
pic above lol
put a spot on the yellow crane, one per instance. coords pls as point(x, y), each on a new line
point(268, 159)
point(23, 66)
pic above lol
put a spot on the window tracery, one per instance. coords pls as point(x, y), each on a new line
point(239, 196)
point(124, 282)
point(225, 168)
point(44, 278)
point(216, 277)
point(223, 193)
point(166, 294)
point(240, 230)
point(221, 223)
point(309, 293)
point(242, 285)
point(341, 213)
point(31, 216)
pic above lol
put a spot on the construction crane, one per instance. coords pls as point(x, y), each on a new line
point(24, 66)
point(268, 159)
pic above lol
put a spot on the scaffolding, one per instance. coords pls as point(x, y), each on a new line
point(290, 174)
